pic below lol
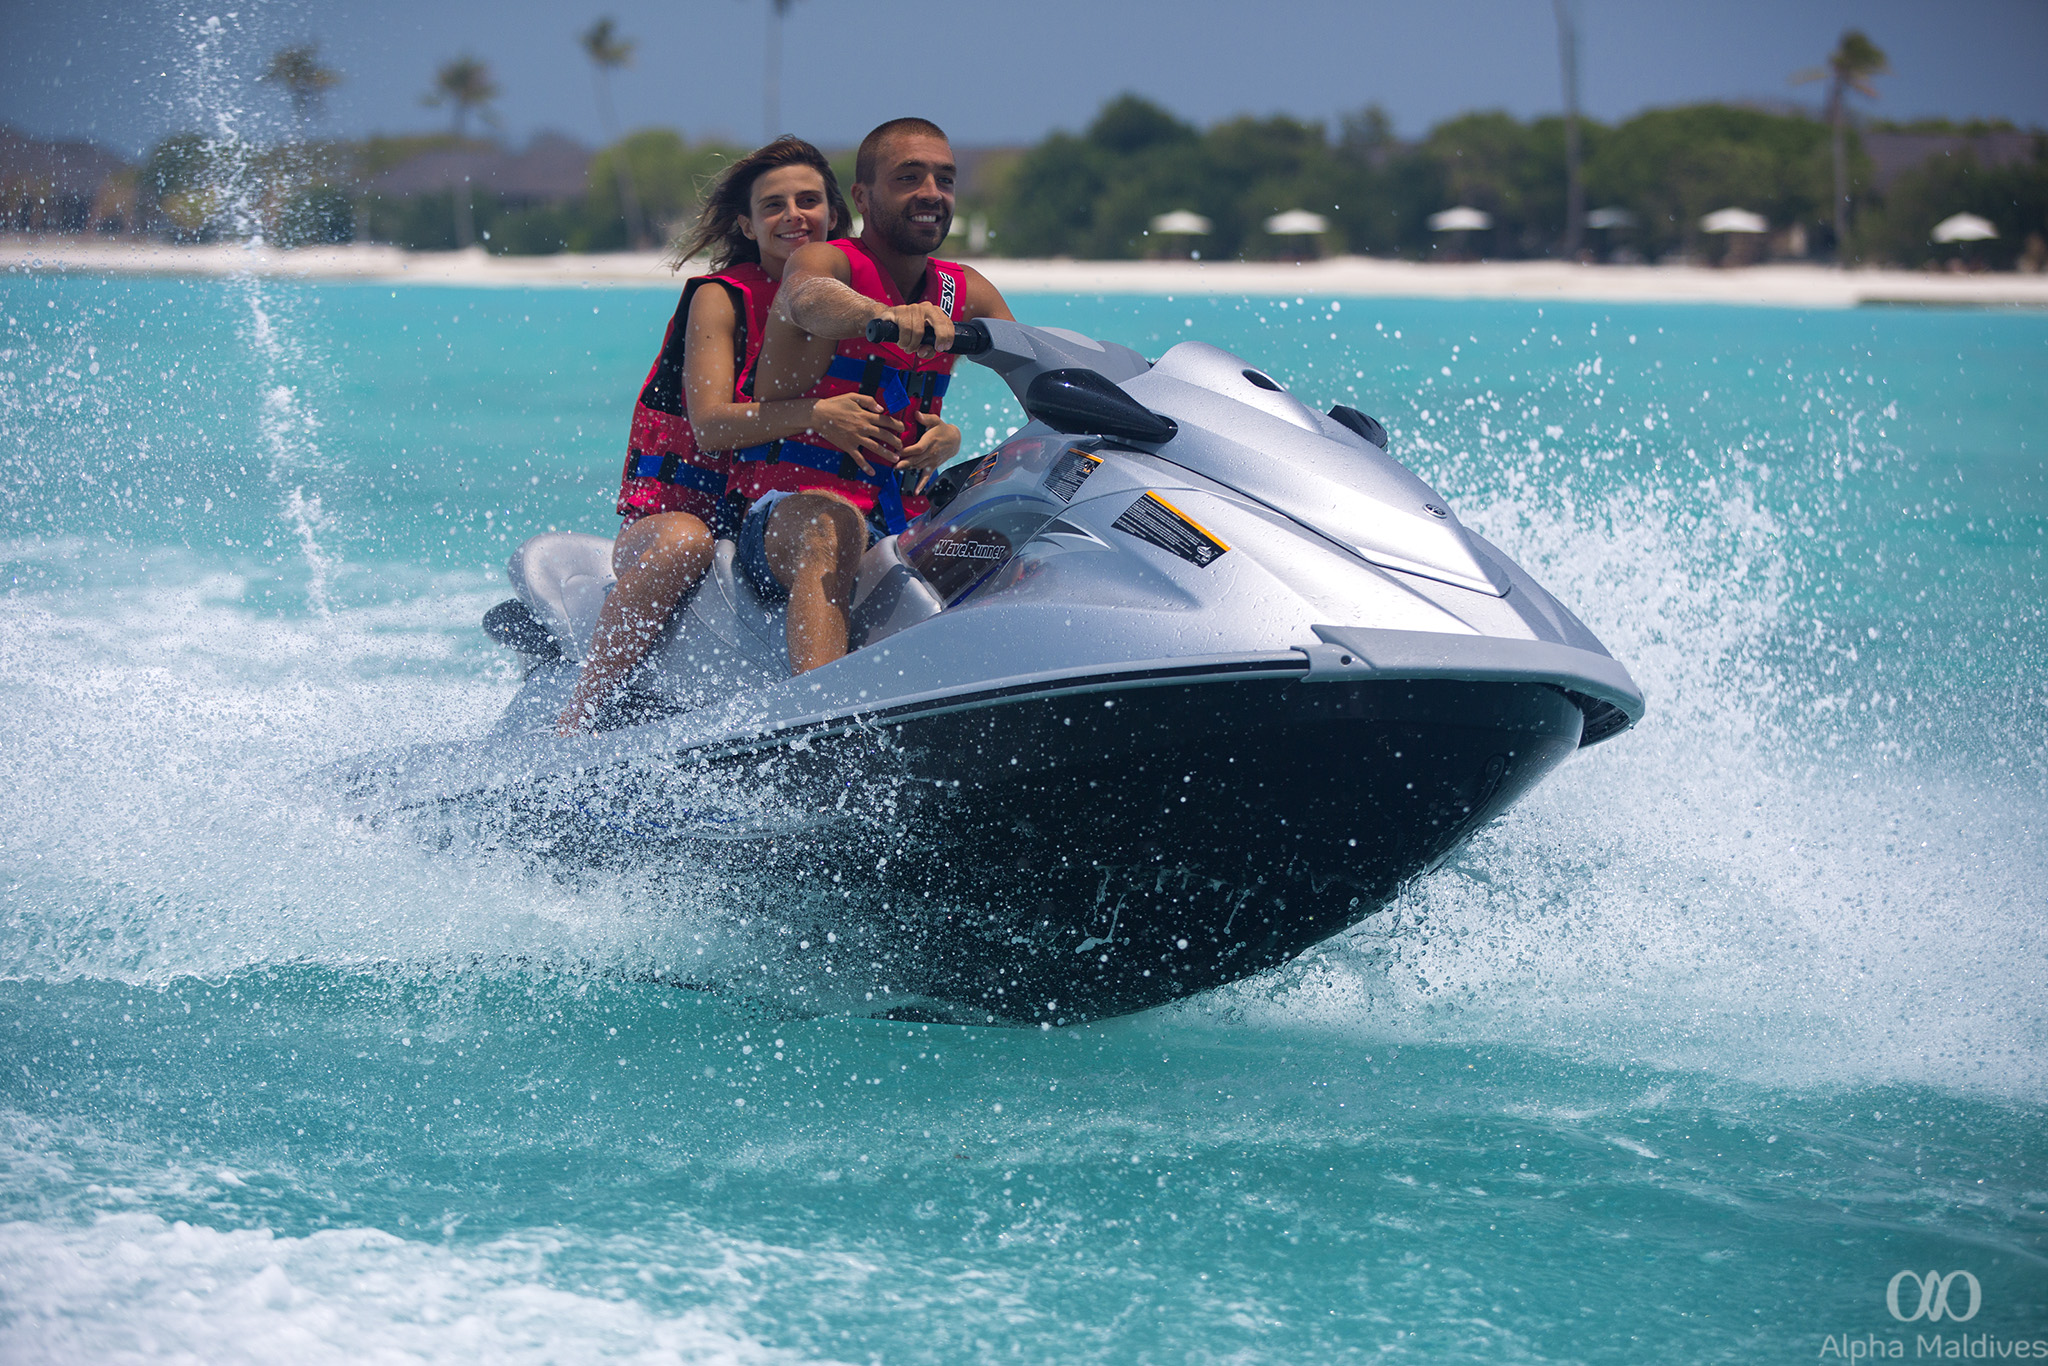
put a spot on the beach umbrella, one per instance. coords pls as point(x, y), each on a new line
point(1734, 220)
point(1612, 217)
point(1180, 223)
point(1463, 218)
point(1963, 227)
point(1297, 223)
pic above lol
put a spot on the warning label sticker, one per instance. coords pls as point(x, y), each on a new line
point(1069, 472)
point(1159, 522)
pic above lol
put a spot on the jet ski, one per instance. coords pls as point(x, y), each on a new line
point(1181, 679)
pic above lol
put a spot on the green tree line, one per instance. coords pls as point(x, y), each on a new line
point(1093, 194)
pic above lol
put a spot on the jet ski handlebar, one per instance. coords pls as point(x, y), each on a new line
point(970, 336)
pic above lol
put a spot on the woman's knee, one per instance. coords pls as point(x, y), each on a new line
point(663, 543)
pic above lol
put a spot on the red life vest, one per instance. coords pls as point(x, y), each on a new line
point(665, 471)
point(900, 381)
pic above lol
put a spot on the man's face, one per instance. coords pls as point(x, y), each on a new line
point(910, 205)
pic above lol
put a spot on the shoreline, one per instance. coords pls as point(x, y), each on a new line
point(1778, 285)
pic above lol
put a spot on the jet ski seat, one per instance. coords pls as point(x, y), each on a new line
point(728, 611)
point(563, 577)
point(724, 638)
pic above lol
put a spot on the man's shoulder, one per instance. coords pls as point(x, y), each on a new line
point(982, 297)
point(959, 268)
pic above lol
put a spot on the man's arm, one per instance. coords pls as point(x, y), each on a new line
point(832, 309)
point(793, 354)
point(818, 306)
point(818, 296)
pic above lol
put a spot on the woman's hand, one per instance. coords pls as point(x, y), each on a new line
point(860, 426)
point(940, 443)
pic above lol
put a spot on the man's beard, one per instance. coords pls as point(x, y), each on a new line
point(907, 237)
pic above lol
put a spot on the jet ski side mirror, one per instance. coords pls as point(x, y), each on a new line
point(1078, 401)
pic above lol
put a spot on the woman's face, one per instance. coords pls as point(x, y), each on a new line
point(789, 210)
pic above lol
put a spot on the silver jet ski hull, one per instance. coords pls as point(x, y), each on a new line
point(1067, 852)
point(1142, 708)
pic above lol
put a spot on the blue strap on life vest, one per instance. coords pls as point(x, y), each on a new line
point(673, 469)
point(894, 393)
point(828, 460)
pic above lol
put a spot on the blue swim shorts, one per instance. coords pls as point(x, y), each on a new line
point(750, 550)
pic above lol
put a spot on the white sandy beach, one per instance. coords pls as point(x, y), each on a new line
point(1785, 286)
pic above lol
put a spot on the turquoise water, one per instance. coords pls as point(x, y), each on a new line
point(1736, 1018)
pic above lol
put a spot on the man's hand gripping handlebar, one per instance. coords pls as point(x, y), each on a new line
point(970, 338)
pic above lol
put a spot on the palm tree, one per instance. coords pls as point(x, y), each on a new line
point(1850, 66)
point(465, 84)
point(608, 51)
point(1574, 187)
point(305, 81)
point(306, 84)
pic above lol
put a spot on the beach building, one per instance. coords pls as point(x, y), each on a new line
point(551, 168)
point(63, 186)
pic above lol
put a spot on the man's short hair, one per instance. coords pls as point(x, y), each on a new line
point(865, 161)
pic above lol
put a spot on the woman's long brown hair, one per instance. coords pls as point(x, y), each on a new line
point(717, 230)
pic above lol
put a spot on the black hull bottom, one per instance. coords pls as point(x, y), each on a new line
point(1055, 859)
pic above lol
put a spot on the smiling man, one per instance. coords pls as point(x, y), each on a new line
point(806, 525)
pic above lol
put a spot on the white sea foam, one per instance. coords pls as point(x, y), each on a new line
point(175, 826)
point(1718, 889)
point(133, 1287)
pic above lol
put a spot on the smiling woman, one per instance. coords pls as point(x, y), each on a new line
point(696, 406)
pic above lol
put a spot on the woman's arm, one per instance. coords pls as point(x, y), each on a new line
point(852, 422)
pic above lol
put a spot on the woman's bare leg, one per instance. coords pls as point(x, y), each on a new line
point(657, 560)
point(814, 543)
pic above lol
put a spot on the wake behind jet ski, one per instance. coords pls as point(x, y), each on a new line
point(1180, 680)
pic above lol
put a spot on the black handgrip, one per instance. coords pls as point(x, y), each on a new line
point(970, 338)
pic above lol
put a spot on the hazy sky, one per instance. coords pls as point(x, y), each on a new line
point(124, 72)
